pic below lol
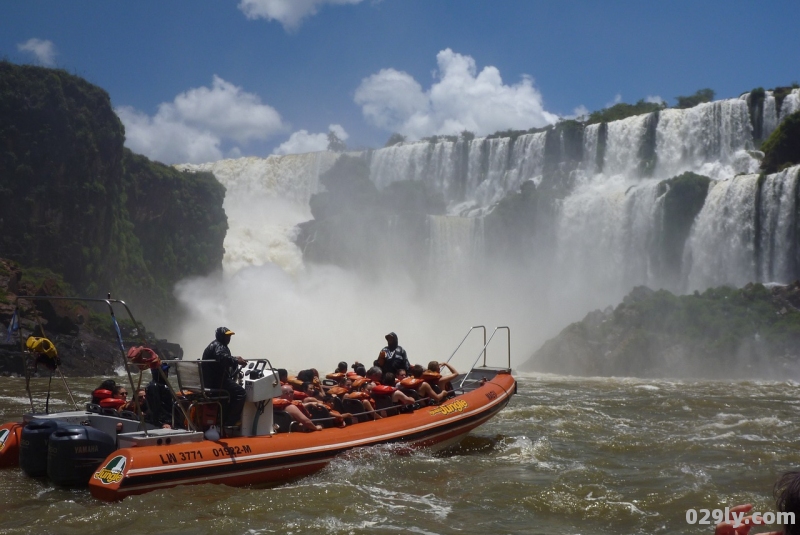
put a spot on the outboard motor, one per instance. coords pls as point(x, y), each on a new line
point(75, 452)
point(33, 446)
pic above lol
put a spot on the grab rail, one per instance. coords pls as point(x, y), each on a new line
point(483, 352)
point(464, 339)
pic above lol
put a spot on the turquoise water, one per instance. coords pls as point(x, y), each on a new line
point(568, 455)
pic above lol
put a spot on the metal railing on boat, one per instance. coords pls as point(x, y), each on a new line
point(483, 349)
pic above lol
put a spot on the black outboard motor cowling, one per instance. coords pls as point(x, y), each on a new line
point(33, 446)
point(75, 452)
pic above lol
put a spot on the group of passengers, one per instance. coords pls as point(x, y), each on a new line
point(392, 382)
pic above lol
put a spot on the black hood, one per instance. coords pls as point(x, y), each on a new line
point(391, 340)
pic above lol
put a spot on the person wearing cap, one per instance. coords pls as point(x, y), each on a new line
point(392, 357)
point(220, 372)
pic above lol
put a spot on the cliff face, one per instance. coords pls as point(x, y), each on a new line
point(61, 180)
point(73, 200)
point(722, 333)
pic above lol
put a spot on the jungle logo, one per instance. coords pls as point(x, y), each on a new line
point(455, 406)
point(3, 437)
point(111, 472)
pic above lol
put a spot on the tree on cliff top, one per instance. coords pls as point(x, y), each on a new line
point(782, 148)
point(701, 96)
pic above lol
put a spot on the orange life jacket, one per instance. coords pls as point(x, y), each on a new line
point(112, 403)
point(337, 390)
point(411, 382)
point(431, 377)
point(383, 390)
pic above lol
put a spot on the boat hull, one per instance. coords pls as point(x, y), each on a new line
point(10, 437)
point(277, 458)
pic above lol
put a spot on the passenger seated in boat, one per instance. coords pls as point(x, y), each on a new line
point(117, 399)
point(375, 376)
point(422, 387)
point(443, 380)
point(341, 368)
point(308, 376)
point(321, 405)
point(359, 369)
point(389, 380)
point(283, 376)
point(105, 390)
point(141, 398)
point(294, 409)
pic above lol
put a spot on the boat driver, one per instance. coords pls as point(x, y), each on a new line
point(222, 371)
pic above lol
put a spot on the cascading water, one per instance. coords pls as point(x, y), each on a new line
point(265, 199)
point(598, 226)
point(456, 249)
point(605, 236)
point(708, 139)
point(622, 146)
point(721, 248)
point(778, 227)
point(790, 104)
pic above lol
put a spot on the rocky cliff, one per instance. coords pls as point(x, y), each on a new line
point(722, 333)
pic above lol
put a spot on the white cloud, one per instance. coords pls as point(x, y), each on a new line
point(192, 128)
point(459, 99)
point(288, 12)
point(655, 99)
point(578, 112)
point(617, 100)
point(43, 51)
point(168, 141)
point(302, 141)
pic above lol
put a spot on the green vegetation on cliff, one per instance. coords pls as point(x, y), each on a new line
point(74, 201)
point(723, 332)
point(699, 97)
point(782, 148)
point(177, 218)
point(623, 111)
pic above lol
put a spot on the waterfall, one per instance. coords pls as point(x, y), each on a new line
point(623, 144)
point(778, 227)
point(596, 226)
point(265, 199)
point(527, 160)
point(721, 246)
point(433, 163)
point(591, 140)
point(487, 170)
point(605, 237)
point(770, 115)
point(705, 139)
point(456, 249)
point(790, 104)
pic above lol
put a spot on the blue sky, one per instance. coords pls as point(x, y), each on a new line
point(197, 81)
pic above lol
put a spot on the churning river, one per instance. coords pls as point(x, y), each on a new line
point(568, 455)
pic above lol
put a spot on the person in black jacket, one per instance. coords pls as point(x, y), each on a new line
point(220, 372)
point(392, 357)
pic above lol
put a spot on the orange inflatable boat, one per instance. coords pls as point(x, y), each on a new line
point(168, 457)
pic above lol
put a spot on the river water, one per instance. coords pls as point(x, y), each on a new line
point(568, 455)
